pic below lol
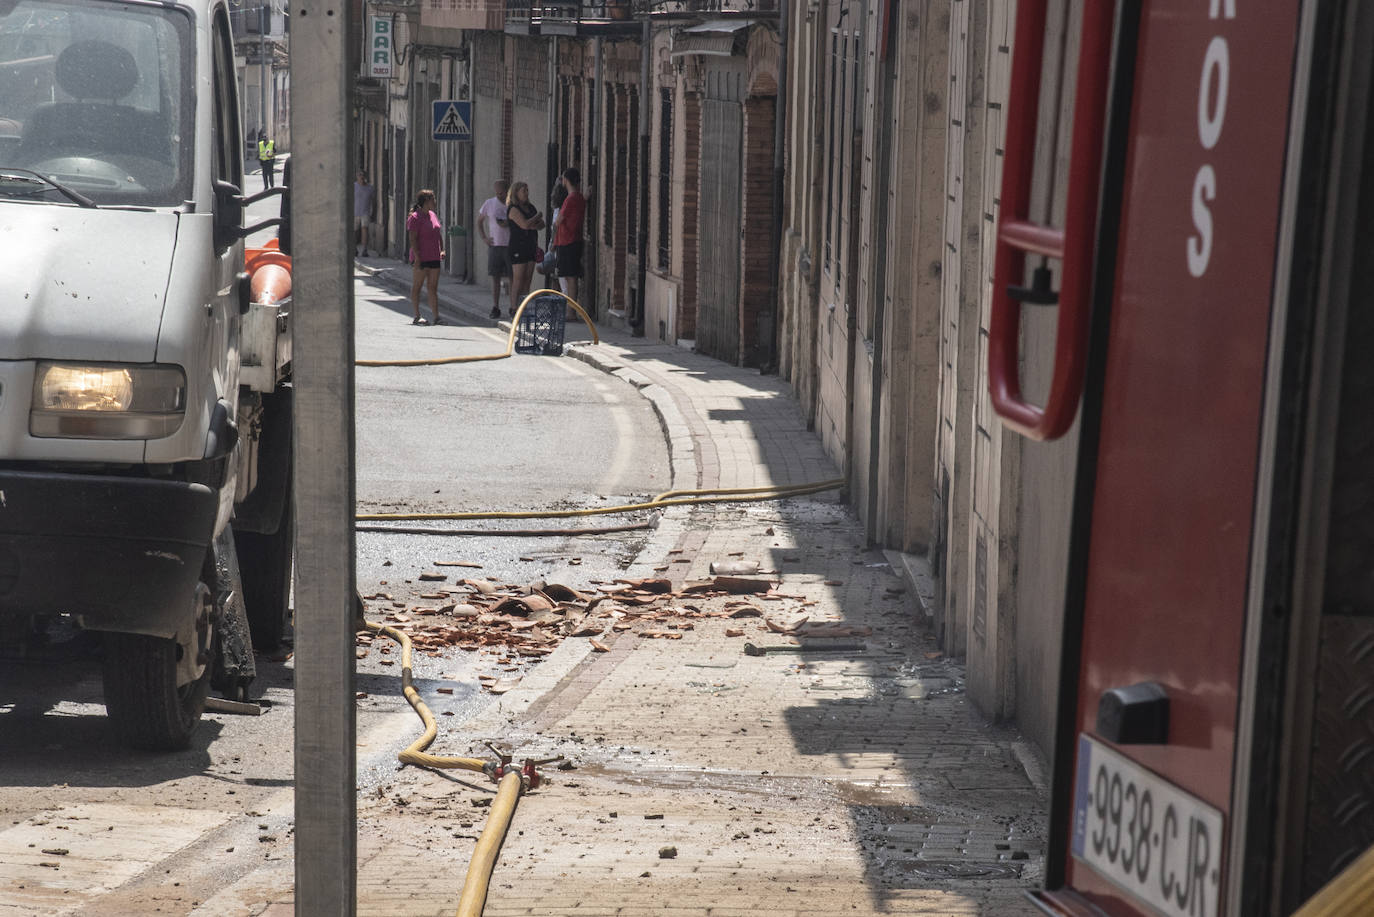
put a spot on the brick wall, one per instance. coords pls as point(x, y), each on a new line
point(757, 221)
point(488, 74)
point(530, 73)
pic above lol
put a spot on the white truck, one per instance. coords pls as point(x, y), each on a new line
point(145, 401)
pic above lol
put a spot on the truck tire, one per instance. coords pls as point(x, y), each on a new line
point(265, 568)
point(145, 705)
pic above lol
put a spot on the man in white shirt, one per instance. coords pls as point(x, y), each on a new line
point(491, 223)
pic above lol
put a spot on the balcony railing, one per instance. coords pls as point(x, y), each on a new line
point(689, 8)
point(577, 17)
point(568, 17)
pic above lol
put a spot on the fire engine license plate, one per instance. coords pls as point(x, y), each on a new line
point(1156, 842)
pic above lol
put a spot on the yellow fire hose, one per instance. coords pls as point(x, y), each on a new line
point(415, 752)
point(510, 340)
point(667, 498)
point(488, 845)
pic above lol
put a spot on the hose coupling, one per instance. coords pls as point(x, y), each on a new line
point(530, 776)
point(497, 769)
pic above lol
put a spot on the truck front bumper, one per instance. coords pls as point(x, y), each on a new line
point(124, 553)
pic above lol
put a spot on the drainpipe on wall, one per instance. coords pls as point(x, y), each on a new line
point(770, 357)
point(646, 37)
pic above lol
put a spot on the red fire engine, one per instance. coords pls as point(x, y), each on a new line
point(1215, 740)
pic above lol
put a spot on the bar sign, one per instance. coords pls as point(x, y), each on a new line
point(379, 46)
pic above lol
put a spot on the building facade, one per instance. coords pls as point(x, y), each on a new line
point(666, 108)
point(894, 156)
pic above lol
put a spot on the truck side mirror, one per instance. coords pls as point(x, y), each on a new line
point(284, 228)
point(228, 213)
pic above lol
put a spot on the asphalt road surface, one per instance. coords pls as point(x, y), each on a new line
point(525, 433)
point(201, 829)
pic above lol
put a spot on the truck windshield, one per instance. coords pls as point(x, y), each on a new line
point(98, 96)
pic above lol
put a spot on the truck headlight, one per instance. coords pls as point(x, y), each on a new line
point(107, 400)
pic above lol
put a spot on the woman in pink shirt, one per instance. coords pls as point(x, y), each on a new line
point(426, 253)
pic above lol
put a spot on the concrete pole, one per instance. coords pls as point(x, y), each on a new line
point(325, 746)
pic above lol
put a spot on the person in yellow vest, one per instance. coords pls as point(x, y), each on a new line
point(268, 157)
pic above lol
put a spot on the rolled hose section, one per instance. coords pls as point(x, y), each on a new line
point(667, 498)
point(510, 340)
point(483, 860)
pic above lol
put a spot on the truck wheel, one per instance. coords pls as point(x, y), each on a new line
point(265, 567)
point(146, 706)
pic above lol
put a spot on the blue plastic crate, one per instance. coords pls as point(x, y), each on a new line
point(541, 326)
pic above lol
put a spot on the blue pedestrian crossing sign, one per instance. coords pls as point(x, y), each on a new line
point(452, 119)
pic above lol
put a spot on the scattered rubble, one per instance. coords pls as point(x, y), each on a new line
point(527, 622)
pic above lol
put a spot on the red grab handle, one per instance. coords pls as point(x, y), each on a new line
point(1018, 236)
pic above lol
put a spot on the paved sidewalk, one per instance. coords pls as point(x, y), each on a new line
point(712, 783)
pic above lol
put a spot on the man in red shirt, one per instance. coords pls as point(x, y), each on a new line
point(567, 233)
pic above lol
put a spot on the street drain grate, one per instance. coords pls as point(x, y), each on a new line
point(950, 869)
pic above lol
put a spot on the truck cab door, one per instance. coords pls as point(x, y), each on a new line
point(227, 169)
